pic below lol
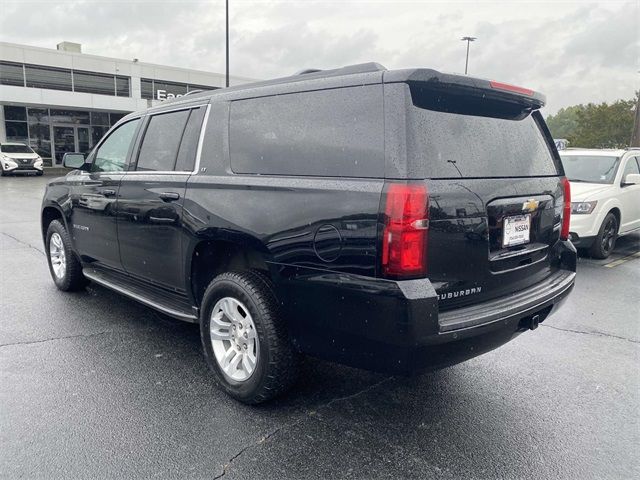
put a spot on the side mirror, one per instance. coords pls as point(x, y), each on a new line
point(73, 160)
point(631, 179)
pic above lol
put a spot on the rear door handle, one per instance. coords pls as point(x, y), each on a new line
point(169, 196)
point(108, 193)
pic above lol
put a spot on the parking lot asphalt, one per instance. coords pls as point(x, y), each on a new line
point(93, 385)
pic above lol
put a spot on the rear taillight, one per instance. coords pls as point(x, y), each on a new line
point(566, 209)
point(406, 224)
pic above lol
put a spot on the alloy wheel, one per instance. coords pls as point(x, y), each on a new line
point(234, 339)
point(57, 255)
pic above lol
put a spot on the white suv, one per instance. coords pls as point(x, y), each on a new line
point(19, 158)
point(605, 196)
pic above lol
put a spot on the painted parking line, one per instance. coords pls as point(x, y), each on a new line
point(615, 263)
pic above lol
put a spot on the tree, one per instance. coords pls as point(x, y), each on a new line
point(595, 125)
point(564, 123)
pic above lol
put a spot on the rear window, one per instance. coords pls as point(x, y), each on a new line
point(452, 145)
point(330, 133)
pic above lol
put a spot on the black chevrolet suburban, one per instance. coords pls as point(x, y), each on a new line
point(391, 220)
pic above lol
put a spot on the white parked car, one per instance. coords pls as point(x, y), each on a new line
point(605, 196)
point(19, 158)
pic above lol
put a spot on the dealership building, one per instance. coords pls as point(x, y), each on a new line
point(63, 100)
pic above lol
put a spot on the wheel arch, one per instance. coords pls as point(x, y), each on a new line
point(618, 214)
point(610, 205)
point(210, 257)
point(50, 213)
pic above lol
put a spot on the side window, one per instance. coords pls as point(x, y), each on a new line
point(331, 133)
point(189, 146)
point(630, 167)
point(161, 142)
point(112, 154)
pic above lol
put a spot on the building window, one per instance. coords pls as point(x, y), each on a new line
point(11, 74)
point(97, 133)
point(200, 87)
point(93, 83)
point(164, 90)
point(35, 127)
point(146, 88)
point(16, 124)
point(40, 139)
point(38, 115)
point(17, 131)
point(38, 76)
point(161, 90)
point(18, 114)
point(48, 77)
point(100, 118)
point(115, 117)
point(123, 86)
point(77, 117)
point(39, 131)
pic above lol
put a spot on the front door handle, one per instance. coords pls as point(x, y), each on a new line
point(108, 193)
point(169, 196)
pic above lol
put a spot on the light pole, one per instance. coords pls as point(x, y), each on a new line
point(468, 40)
point(227, 44)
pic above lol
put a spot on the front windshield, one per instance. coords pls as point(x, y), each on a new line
point(590, 168)
point(15, 149)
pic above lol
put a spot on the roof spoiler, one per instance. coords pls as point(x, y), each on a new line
point(467, 95)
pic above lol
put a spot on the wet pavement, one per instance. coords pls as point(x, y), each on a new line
point(93, 385)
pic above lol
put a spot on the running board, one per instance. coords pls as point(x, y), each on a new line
point(182, 311)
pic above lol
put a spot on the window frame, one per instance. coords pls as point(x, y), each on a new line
point(133, 165)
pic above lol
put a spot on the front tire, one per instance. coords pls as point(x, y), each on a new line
point(64, 266)
point(605, 241)
point(245, 339)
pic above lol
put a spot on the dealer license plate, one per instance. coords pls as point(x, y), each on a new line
point(515, 230)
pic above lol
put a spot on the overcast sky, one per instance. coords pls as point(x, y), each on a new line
point(573, 51)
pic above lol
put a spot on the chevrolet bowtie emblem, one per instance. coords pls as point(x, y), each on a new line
point(530, 205)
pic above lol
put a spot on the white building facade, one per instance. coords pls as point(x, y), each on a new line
point(62, 100)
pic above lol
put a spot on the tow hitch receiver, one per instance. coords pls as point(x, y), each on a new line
point(530, 323)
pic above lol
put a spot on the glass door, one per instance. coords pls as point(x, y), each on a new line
point(64, 140)
point(84, 144)
point(70, 139)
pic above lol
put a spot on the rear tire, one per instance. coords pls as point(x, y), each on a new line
point(248, 349)
point(64, 265)
point(605, 241)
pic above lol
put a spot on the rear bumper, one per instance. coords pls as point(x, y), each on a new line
point(395, 327)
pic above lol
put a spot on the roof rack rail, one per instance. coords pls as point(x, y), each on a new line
point(346, 70)
point(191, 92)
point(307, 70)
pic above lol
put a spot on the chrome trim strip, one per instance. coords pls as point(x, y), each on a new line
point(198, 151)
point(185, 106)
point(153, 172)
point(201, 139)
point(145, 301)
